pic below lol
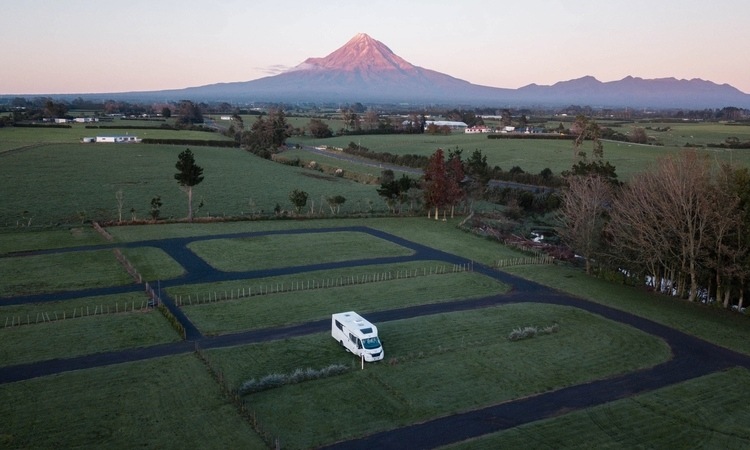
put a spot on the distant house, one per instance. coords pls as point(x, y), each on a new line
point(226, 117)
point(508, 129)
point(453, 125)
point(477, 129)
point(61, 120)
point(87, 140)
point(118, 139)
point(85, 119)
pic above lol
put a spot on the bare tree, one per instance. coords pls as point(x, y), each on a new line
point(663, 218)
point(583, 214)
point(120, 201)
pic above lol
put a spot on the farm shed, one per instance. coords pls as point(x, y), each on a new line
point(118, 139)
point(447, 123)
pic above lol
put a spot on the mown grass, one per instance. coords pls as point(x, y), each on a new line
point(535, 155)
point(707, 412)
point(169, 402)
point(65, 338)
point(714, 324)
point(434, 366)
point(299, 306)
point(433, 233)
point(236, 183)
point(152, 263)
point(267, 252)
point(34, 274)
point(19, 240)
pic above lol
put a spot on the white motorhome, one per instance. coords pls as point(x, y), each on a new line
point(357, 335)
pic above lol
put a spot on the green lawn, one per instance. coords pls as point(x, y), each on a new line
point(708, 412)
point(713, 324)
point(65, 338)
point(165, 403)
point(268, 252)
point(236, 183)
point(23, 275)
point(434, 366)
point(19, 240)
point(287, 308)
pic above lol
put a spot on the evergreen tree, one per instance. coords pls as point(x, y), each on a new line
point(189, 175)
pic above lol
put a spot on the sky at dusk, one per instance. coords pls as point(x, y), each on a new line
point(77, 46)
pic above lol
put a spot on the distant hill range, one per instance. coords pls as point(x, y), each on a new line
point(365, 70)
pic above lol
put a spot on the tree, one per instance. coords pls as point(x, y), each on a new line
point(189, 113)
point(335, 203)
point(156, 205)
point(166, 112)
point(638, 136)
point(395, 192)
point(319, 129)
point(298, 199)
point(662, 222)
point(583, 215)
point(267, 134)
point(120, 197)
point(455, 176)
point(436, 183)
point(189, 175)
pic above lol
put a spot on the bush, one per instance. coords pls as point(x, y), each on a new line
point(529, 332)
point(276, 380)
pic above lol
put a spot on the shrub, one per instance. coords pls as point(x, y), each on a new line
point(529, 332)
point(276, 380)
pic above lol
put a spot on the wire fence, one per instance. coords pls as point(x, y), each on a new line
point(539, 258)
point(16, 320)
point(324, 283)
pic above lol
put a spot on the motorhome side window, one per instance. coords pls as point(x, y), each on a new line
point(352, 337)
point(339, 326)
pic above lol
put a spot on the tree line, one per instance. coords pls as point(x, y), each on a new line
point(681, 225)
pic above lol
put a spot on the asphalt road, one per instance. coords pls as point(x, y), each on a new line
point(692, 357)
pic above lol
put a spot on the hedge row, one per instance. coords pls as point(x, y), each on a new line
point(192, 142)
point(552, 136)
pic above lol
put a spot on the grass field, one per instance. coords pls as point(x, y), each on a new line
point(535, 155)
point(167, 403)
point(438, 365)
point(682, 416)
point(288, 308)
point(80, 181)
point(435, 365)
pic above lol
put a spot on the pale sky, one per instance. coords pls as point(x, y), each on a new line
point(86, 46)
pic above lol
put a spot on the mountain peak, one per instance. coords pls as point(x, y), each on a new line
point(361, 54)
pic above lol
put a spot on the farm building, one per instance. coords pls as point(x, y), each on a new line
point(477, 129)
point(447, 123)
point(118, 139)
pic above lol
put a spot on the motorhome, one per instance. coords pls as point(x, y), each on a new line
point(357, 335)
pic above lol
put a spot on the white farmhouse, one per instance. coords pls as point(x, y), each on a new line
point(118, 139)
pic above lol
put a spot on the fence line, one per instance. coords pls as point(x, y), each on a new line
point(539, 258)
point(305, 285)
point(102, 231)
point(78, 313)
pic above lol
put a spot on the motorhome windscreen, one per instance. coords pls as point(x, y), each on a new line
point(371, 343)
